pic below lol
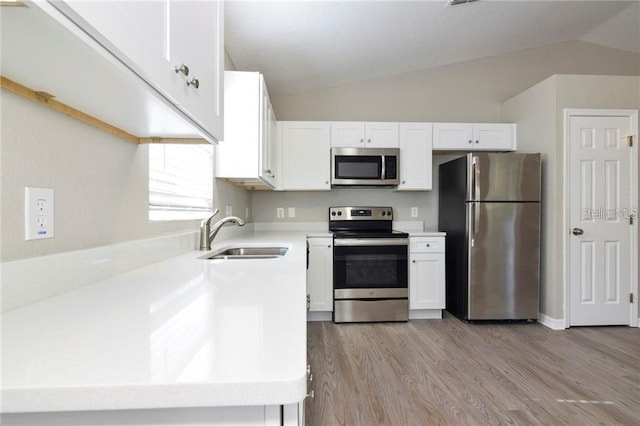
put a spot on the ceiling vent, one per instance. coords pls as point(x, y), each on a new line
point(456, 2)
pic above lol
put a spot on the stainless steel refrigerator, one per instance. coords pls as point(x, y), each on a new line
point(489, 206)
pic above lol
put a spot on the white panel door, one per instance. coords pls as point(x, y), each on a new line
point(600, 216)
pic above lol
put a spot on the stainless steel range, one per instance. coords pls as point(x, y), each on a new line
point(370, 265)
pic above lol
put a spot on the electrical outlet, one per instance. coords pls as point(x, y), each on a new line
point(414, 212)
point(280, 212)
point(229, 210)
point(292, 212)
point(38, 213)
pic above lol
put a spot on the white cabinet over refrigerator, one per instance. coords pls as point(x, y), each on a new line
point(474, 136)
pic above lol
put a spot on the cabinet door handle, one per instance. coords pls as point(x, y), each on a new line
point(477, 141)
point(368, 140)
point(194, 82)
point(326, 182)
point(413, 261)
point(184, 69)
point(470, 141)
point(311, 395)
point(361, 140)
point(428, 245)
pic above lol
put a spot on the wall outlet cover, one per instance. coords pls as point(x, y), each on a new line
point(292, 212)
point(38, 213)
point(280, 212)
point(414, 212)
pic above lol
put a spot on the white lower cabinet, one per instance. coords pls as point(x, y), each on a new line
point(268, 415)
point(426, 277)
point(320, 277)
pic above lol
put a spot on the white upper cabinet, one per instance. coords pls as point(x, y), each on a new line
point(415, 156)
point(474, 136)
point(305, 160)
point(247, 154)
point(130, 49)
point(356, 134)
point(156, 37)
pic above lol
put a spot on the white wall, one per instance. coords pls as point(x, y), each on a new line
point(467, 91)
point(100, 183)
point(539, 112)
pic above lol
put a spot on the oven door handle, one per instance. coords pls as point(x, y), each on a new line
point(377, 242)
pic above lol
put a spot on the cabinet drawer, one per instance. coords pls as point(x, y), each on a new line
point(426, 245)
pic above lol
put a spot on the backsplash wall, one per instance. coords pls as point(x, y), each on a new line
point(312, 206)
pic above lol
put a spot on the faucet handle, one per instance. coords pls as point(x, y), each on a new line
point(207, 221)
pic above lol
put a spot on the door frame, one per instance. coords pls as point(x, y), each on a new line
point(632, 115)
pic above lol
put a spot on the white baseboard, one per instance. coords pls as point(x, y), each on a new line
point(425, 314)
point(552, 323)
point(29, 280)
point(318, 316)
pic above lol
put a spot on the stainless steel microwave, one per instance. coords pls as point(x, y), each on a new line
point(364, 166)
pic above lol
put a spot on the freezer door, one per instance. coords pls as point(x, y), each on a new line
point(504, 260)
point(503, 177)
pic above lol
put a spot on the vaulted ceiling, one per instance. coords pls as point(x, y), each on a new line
point(306, 45)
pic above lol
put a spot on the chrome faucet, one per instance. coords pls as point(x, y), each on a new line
point(208, 232)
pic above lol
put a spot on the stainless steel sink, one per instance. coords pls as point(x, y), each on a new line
point(248, 253)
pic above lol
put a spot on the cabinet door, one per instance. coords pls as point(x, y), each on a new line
point(426, 281)
point(494, 137)
point(415, 156)
point(320, 274)
point(153, 38)
point(453, 136)
point(347, 134)
point(267, 136)
point(381, 135)
point(305, 160)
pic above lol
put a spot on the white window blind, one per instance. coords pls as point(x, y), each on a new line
point(180, 181)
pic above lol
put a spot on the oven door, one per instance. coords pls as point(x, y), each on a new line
point(370, 268)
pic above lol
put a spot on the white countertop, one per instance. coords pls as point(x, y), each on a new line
point(184, 332)
point(427, 234)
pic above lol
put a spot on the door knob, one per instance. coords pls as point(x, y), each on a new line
point(577, 231)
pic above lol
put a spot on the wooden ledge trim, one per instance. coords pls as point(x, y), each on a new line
point(48, 100)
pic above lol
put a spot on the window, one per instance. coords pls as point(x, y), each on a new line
point(180, 181)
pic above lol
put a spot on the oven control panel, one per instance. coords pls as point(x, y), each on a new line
point(360, 213)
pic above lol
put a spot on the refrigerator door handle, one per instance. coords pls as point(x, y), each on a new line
point(475, 187)
point(473, 224)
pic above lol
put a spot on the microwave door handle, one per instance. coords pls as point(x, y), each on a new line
point(383, 172)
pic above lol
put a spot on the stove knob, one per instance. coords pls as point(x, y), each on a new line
point(383, 213)
point(389, 213)
point(339, 213)
point(333, 213)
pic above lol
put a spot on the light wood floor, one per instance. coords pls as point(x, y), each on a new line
point(449, 372)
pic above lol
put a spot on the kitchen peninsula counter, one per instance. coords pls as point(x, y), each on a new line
point(184, 332)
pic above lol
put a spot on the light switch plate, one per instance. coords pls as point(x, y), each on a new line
point(38, 213)
point(414, 212)
point(292, 212)
point(280, 212)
